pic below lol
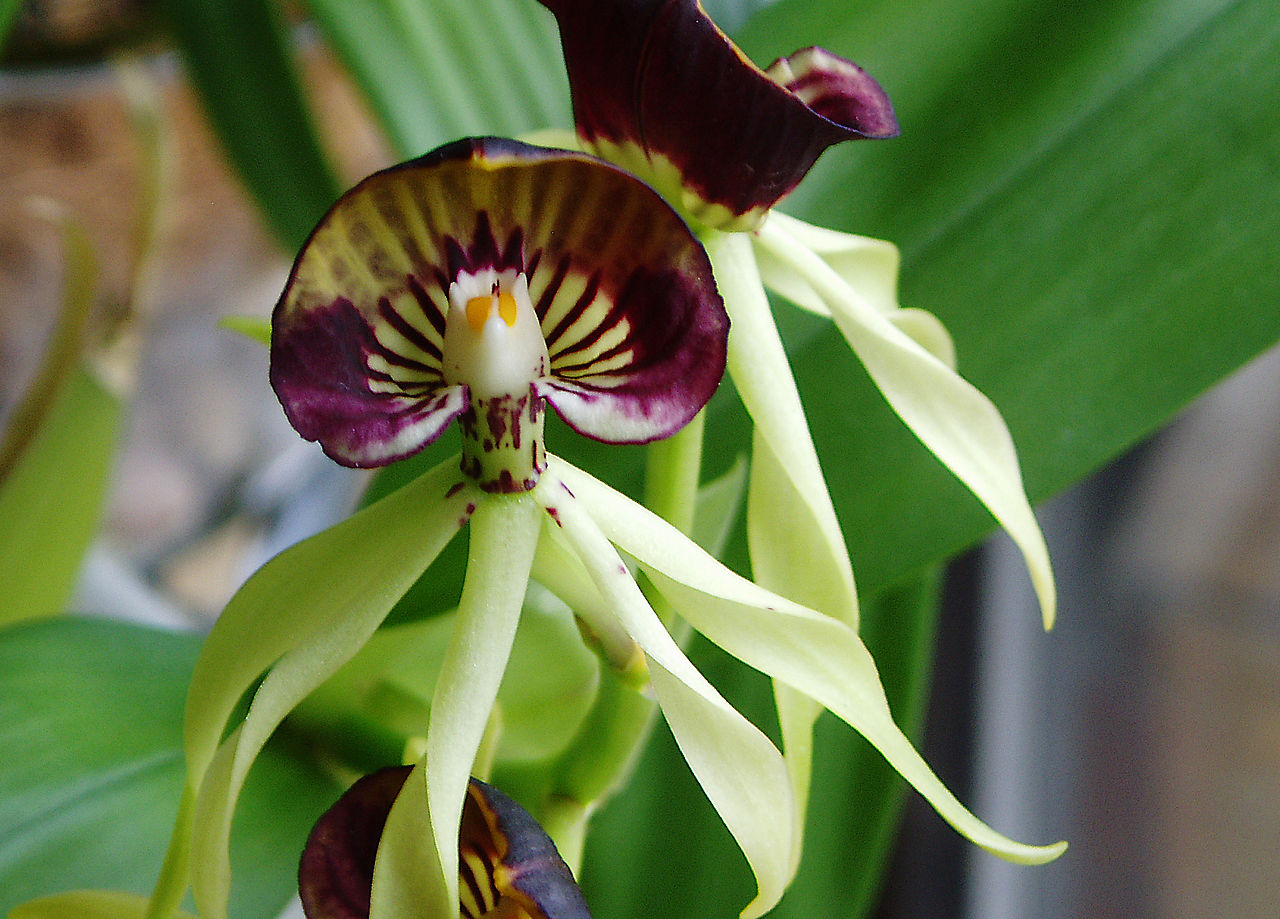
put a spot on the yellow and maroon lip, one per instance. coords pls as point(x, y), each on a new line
point(508, 867)
point(658, 88)
point(634, 330)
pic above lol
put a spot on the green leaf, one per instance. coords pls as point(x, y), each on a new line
point(240, 57)
point(91, 722)
point(1079, 199)
point(438, 71)
point(8, 16)
point(51, 501)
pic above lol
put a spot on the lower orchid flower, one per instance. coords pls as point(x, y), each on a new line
point(509, 867)
point(478, 283)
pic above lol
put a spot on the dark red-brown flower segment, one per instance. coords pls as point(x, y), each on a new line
point(479, 280)
point(508, 867)
point(658, 88)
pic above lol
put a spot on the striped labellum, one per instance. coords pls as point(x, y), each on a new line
point(508, 867)
point(480, 281)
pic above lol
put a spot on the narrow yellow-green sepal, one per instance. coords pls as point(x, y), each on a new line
point(813, 653)
point(960, 425)
point(416, 874)
point(740, 770)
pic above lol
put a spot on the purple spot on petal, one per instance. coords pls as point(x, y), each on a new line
point(457, 487)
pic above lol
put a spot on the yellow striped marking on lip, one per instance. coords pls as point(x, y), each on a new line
point(478, 310)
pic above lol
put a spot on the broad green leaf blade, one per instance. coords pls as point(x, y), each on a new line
point(441, 70)
point(240, 57)
point(1080, 269)
point(8, 15)
point(91, 717)
point(63, 353)
point(51, 502)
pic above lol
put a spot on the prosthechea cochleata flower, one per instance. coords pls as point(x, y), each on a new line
point(477, 283)
point(509, 867)
point(660, 90)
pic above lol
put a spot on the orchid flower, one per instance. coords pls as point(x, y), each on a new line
point(660, 90)
point(509, 866)
point(478, 283)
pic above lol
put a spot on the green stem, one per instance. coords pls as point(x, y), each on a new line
point(607, 744)
point(565, 820)
point(672, 470)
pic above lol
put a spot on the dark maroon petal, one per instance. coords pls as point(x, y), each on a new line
point(507, 855)
point(670, 363)
point(507, 862)
point(320, 371)
point(622, 288)
point(656, 84)
point(335, 877)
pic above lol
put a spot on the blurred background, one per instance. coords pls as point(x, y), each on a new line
point(1145, 728)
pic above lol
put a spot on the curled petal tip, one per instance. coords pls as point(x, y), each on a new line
point(838, 90)
point(657, 86)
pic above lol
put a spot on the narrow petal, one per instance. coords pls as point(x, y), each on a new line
point(658, 88)
point(623, 291)
point(952, 418)
point(417, 868)
point(302, 616)
point(795, 541)
point(557, 568)
point(869, 266)
point(794, 521)
point(738, 767)
point(816, 654)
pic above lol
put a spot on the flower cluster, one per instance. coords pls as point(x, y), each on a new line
point(616, 283)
